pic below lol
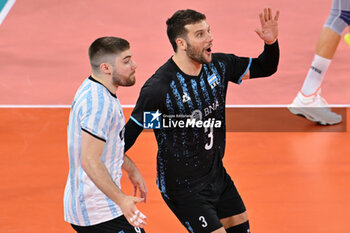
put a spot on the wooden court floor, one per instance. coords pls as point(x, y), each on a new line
point(290, 181)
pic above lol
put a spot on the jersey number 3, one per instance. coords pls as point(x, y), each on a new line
point(209, 145)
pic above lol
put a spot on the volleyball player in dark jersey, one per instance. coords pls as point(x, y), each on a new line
point(184, 101)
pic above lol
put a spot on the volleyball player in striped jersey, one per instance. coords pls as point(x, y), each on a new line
point(93, 200)
point(189, 88)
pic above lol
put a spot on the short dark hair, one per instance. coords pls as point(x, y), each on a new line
point(176, 24)
point(104, 46)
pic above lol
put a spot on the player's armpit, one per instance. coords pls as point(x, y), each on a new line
point(246, 76)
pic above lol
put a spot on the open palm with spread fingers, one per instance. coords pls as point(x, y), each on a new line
point(269, 26)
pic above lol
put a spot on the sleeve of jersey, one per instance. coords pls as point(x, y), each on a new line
point(132, 131)
point(266, 64)
point(95, 120)
point(148, 101)
point(234, 67)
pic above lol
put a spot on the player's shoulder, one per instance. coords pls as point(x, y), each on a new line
point(161, 79)
point(165, 73)
point(224, 56)
point(83, 89)
point(91, 90)
point(229, 59)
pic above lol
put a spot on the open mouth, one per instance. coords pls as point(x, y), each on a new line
point(209, 50)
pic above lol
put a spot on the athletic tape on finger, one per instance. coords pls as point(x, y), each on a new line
point(142, 215)
point(138, 221)
point(133, 218)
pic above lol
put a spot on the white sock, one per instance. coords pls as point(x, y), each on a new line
point(315, 76)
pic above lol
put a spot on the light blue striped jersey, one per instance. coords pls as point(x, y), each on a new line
point(98, 112)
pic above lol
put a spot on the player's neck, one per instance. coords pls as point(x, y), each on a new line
point(187, 65)
point(106, 82)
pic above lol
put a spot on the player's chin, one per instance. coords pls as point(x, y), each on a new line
point(129, 82)
point(132, 81)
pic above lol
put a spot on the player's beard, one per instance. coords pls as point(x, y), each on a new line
point(197, 54)
point(121, 80)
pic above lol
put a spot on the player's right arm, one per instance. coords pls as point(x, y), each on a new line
point(267, 62)
point(91, 151)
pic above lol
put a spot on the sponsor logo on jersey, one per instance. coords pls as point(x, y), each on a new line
point(212, 107)
point(185, 98)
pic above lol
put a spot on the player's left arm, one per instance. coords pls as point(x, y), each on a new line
point(267, 62)
point(135, 177)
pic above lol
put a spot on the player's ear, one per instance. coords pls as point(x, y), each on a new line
point(181, 44)
point(106, 68)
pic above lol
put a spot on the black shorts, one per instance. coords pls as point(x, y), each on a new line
point(201, 212)
point(117, 225)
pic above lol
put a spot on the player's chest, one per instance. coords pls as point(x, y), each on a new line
point(201, 95)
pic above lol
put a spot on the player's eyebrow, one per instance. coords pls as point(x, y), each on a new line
point(126, 57)
point(202, 29)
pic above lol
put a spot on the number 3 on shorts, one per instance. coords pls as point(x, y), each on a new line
point(204, 223)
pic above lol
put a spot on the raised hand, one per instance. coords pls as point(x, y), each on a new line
point(269, 26)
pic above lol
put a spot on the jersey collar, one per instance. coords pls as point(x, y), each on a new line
point(96, 81)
